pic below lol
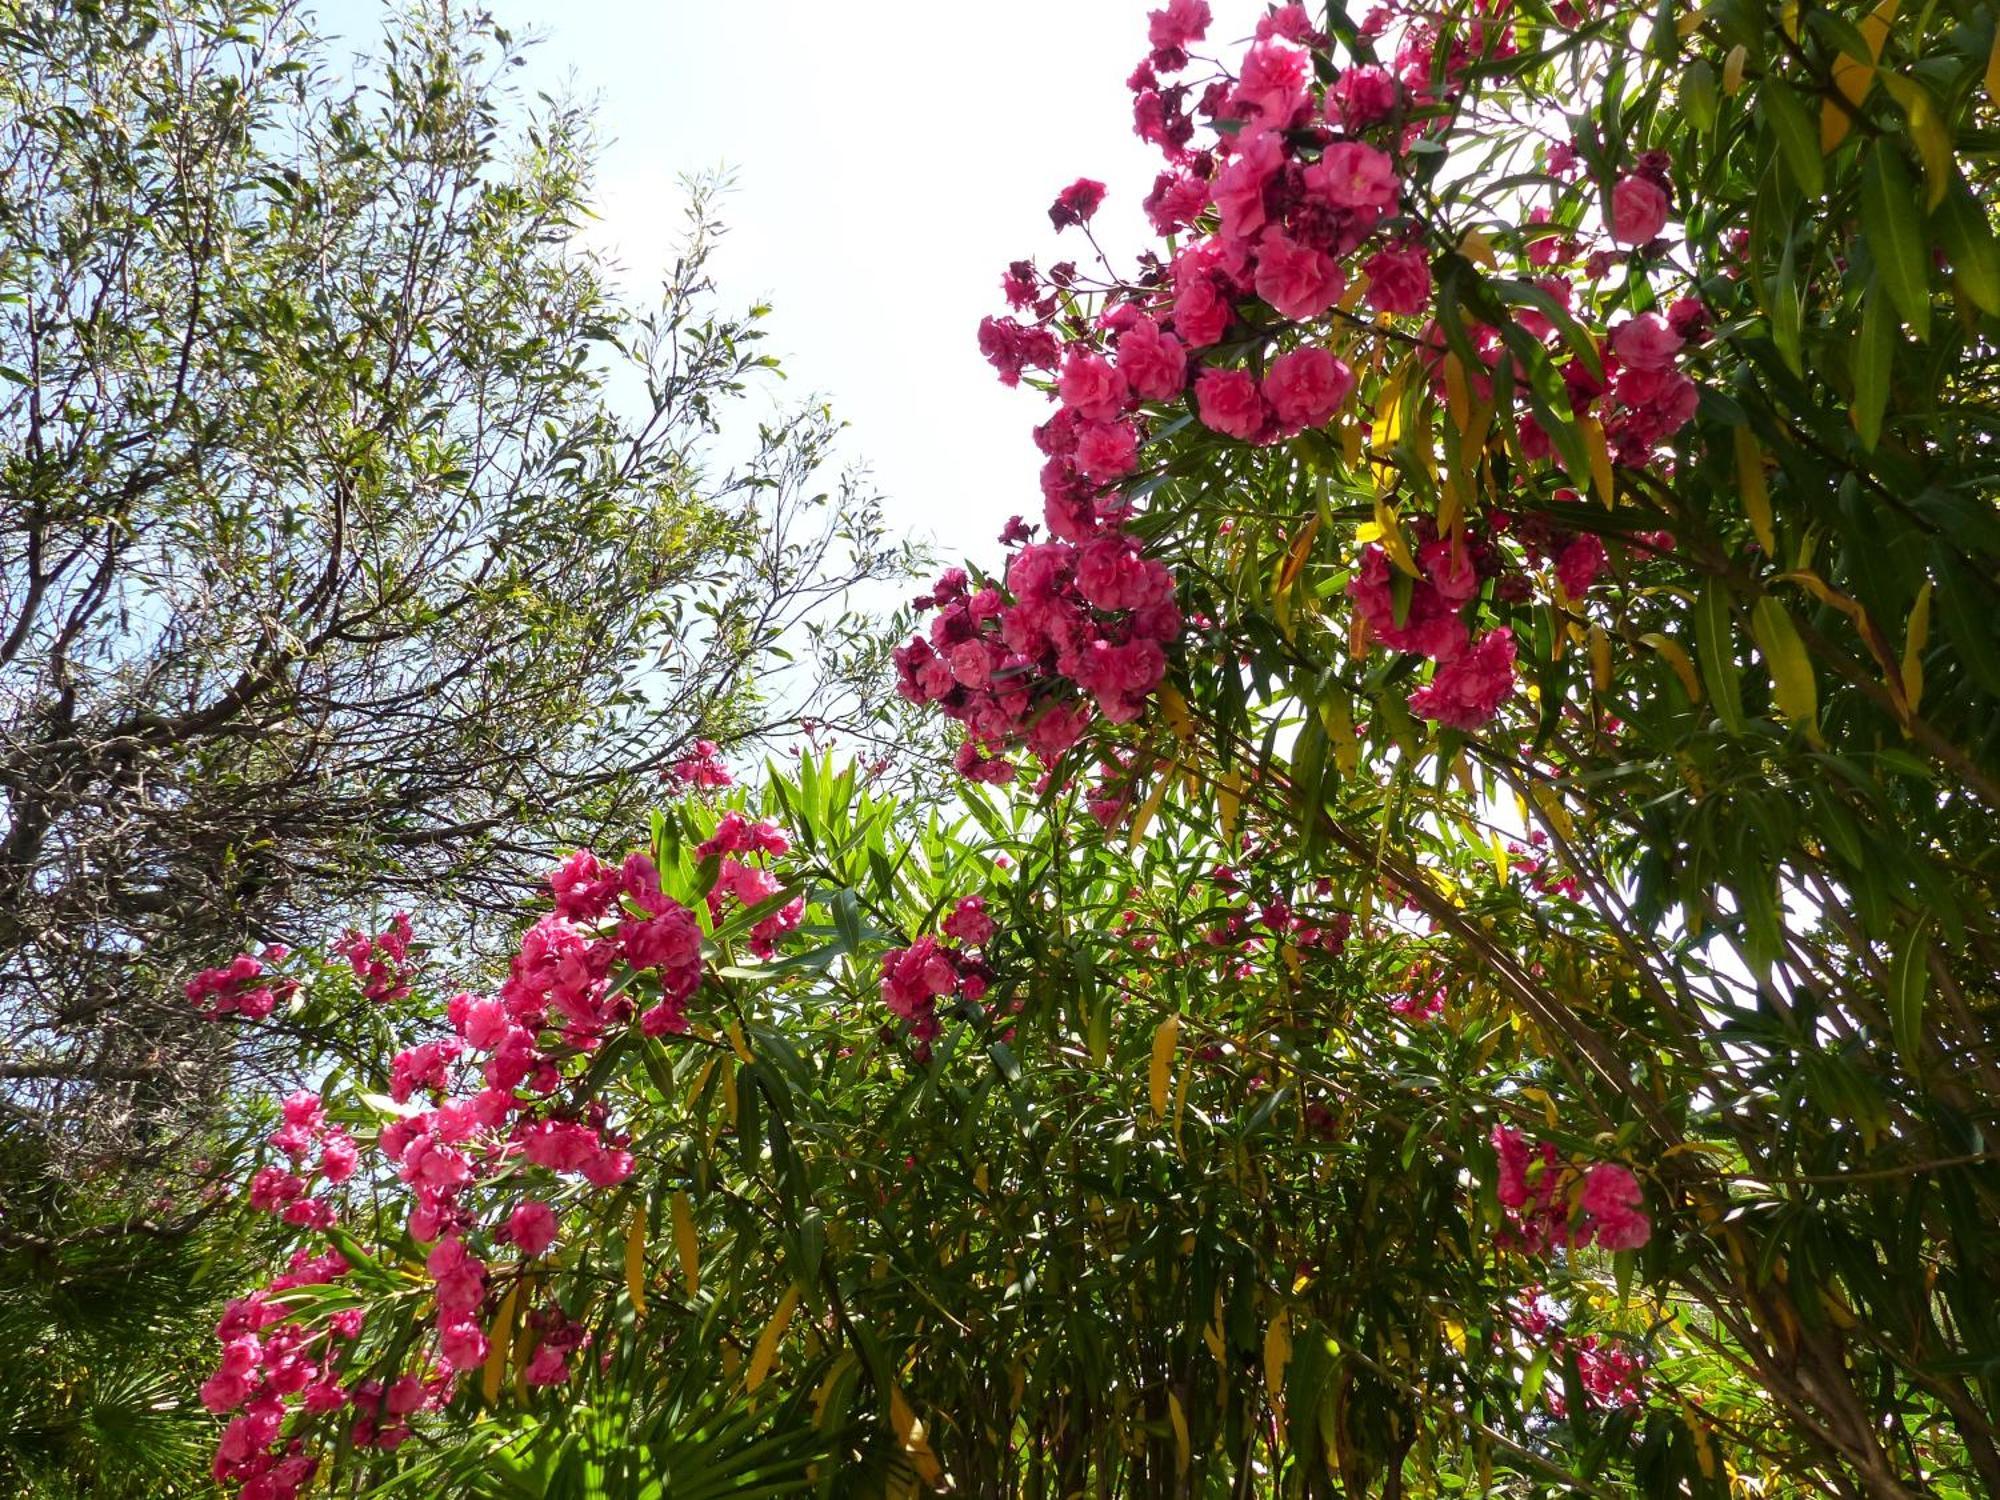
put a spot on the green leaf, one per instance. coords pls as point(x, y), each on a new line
point(1870, 361)
point(1715, 634)
point(1893, 219)
point(1967, 236)
point(1909, 980)
point(1798, 138)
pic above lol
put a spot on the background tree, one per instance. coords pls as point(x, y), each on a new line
point(358, 540)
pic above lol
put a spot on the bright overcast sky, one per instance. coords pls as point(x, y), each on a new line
point(890, 157)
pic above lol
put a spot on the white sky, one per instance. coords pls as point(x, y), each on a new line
point(891, 157)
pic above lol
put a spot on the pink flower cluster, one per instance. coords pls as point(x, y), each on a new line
point(1090, 616)
point(915, 978)
point(266, 1364)
point(286, 1191)
point(484, 1099)
point(242, 987)
point(701, 768)
point(382, 962)
point(750, 884)
point(1550, 1203)
point(1612, 1375)
point(1473, 678)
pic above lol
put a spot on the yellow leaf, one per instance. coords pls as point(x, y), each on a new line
point(1686, 23)
point(1677, 658)
point(1600, 659)
point(740, 1047)
point(1914, 636)
point(910, 1433)
point(1756, 494)
point(1792, 681)
point(1143, 819)
point(1277, 1354)
point(1476, 247)
point(729, 1088)
point(823, 1397)
point(1180, 1100)
point(1852, 78)
point(1599, 454)
point(1732, 69)
point(1183, 1450)
point(1164, 1041)
point(499, 1340)
point(685, 1243)
point(1294, 561)
point(1388, 428)
point(1393, 541)
point(767, 1342)
point(1930, 133)
point(1175, 708)
point(1499, 855)
point(1993, 70)
point(1228, 805)
point(635, 1260)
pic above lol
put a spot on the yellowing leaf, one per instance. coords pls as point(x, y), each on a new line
point(685, 1243)
point(1792, 681)
point(1993, 70)
point(1476, 247)
point(910, 1433)
point(1165, 1039)
point(635, 1260)
point(1852, 78)
point(767, 1342)
point(1756, 494)
point(1930, 133)
point(736, 1043)
point(1143, 819)
point(1183, 1451)
point(1175, 710)
point(499, 1341)
point(1294, 561)
point(1277, 1354)
point(1914, 636)
point(1732, 69)
point(1180, 1100)
point(1599, 454)
point(1600, 659)
point(1229, 805)
point(1676, 657)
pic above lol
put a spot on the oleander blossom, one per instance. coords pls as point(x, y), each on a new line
point(1551, 1204)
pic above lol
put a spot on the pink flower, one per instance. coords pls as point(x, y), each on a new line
point(1353, 175)
point(1359, 97)
point(532, 1227)
point(1578, 565)
point(1399, 280)
point(1306, 387)
point(1645, 343)
point(1638, 210)
point(1238, 189)
point(1467, 692)
point(463, 1346)
point(1181, 22)
point(1201, 313)
point(1612, 1203)
point(969, 922)
point(1296, 279)
point(1091, 385)
point(549, 1366)
point(1271, 87)
point(1153, 362)
point(1229, 402)
point(1076, 203)
point(1107, 451)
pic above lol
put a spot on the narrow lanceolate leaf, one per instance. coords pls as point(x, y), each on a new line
point(499, 1340)
point(1909, 981)
point(1894, 223)
point(1715, 639)
point(1796, 147)
point(1183, 1452)
point(1929, 132)
point(903, 1421)
point(1165, 1039)
point(635, 1260)
point(1787, 315)
point(685, 1243)
point(1277, 1354)
point(767, 1342)
point(1969, 243)
point(1756, 495)
point(1675, 655)
point(1871, 358)
point(1853, 78)
point(1785, 654)
point(1914, 637)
